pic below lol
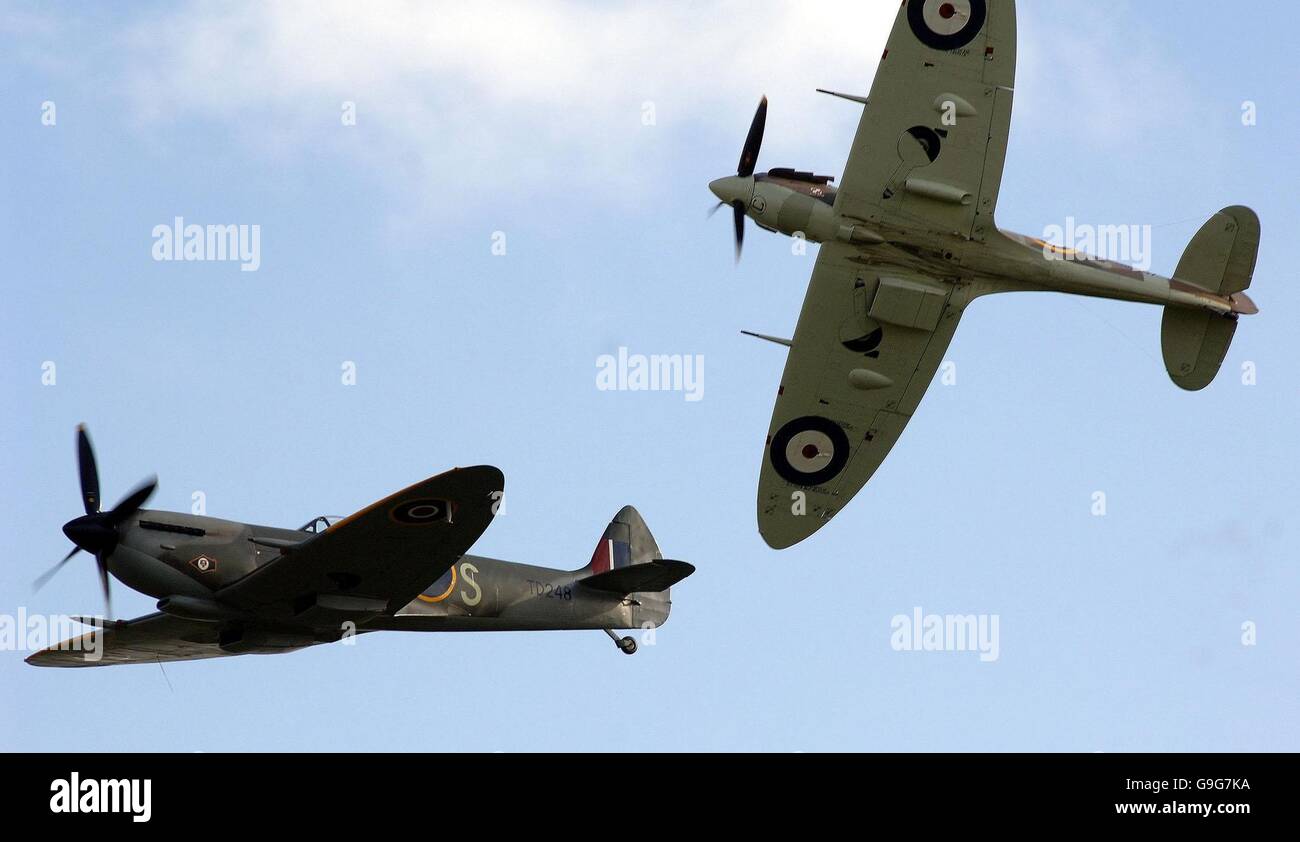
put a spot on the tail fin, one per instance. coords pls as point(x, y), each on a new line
point(627, 541)
point(1221, 260)
point(627, 561)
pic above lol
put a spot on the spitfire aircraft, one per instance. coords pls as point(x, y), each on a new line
point(227, 588)
point(908, 241)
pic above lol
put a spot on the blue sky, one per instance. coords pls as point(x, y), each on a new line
point(1120, 632)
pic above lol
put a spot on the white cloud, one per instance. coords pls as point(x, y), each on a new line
point(522, 93)
point(1102, 78)
point(505, 92)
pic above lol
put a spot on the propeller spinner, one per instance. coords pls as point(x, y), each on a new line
point(96, 531)
point(736, 190)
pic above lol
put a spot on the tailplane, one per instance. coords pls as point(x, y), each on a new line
point(1220, 260)
point(654, 576)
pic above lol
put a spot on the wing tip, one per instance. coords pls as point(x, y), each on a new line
point(782, 535)
point(490, 473)
point(779, 525)
point(782, 542)
point(55, 658)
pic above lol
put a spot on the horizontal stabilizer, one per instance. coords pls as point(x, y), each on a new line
point(1220, 260)
point(1195, 344)
point(1221, 257)
point(653, 576)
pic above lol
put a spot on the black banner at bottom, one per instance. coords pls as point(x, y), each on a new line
point(242, 791)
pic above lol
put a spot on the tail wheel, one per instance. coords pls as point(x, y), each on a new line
point(628, 645)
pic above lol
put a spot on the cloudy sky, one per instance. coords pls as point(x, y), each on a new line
point(581, 136)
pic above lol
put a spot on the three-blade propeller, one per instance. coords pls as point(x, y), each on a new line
point(96, 531)
point(748, 162)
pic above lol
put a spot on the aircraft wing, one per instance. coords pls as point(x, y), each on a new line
point(381, 557)
point(930, 148)
point(145, 640)
point(868, 344)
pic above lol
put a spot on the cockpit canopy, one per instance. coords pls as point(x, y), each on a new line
point(790, 174)
point(319, 524)
point(818, 187)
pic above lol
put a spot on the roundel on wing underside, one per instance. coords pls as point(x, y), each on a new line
point(810, 451)
point(946, 24)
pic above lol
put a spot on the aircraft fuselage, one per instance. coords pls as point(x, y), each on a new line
point(185, 561)
point(1004, 262)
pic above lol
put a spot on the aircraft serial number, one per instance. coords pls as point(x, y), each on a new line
point(549, 590)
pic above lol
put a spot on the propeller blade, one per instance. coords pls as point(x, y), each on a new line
point(754, 142)
point(739, 208)
point(132, 502)
point(86, 468)
point(102, 562)
point(719, 206)
point(49, 574)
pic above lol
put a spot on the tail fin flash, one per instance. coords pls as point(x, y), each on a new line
point(1221, 260)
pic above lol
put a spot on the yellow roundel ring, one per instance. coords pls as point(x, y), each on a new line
point(440, 597)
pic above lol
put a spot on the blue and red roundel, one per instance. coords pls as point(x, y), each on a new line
point(946, 24)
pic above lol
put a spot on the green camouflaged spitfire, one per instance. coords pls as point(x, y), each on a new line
point(227, 588)
point(909, 240)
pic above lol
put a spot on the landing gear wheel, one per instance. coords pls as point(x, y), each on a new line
point(626, 645)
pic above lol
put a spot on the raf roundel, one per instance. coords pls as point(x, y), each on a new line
point(810, 451)
point(421, 512)
point(946, 24)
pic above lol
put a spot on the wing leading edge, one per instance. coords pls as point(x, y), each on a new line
point(153, 638)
